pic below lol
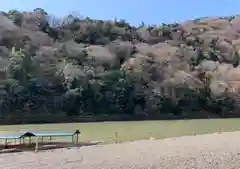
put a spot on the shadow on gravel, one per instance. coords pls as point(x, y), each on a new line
point(13, 148)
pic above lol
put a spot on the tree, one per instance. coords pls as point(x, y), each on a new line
point(20, 70)
point(118, 92)
point(72, 102)
point(16, 17)
point(40, 10)
point(20, 66)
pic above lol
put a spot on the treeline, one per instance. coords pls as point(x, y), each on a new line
point(113, 93)
point(110, 68)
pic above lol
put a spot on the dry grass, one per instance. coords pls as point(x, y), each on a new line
point(127, 131)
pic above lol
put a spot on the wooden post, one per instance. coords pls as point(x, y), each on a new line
point(36, 146)
point(194, 134)
point(220, 131)
point(116, 137)
point(161, 135)
point(30, 141)
point(42, 139)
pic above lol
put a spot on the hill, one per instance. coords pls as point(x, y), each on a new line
point(81, 66)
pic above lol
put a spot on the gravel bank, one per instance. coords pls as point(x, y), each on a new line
point(213, 151)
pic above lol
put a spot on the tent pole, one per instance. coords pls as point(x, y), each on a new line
point(36, 146)
point(6, 142)
point(77, 138)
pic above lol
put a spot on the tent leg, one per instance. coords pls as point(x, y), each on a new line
point(50, 138)
point(36, 146)
point(42, 139)
point(30, 141)
point(77, 138)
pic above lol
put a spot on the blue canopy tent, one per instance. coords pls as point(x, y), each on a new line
point(52, 133)
point(9, 135)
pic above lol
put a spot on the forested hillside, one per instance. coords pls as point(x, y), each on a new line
point(77, 66)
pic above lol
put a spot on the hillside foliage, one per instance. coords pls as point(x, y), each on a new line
point(77, 66)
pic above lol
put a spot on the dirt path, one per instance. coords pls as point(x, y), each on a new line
point(215, 151)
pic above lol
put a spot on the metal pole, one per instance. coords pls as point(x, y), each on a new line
point(36, 147)
point(77, 138)
point(6, 143)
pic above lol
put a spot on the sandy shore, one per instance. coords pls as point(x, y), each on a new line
point(213, 151)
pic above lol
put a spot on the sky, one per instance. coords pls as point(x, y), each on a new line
point(133, 11)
